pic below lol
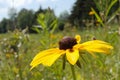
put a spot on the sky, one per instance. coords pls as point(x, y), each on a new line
point(58, 6)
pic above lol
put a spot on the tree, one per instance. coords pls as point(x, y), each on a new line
point(4, 25)
point(25, 19)
point(12, 13)
point(80, 12)
point(63, 17)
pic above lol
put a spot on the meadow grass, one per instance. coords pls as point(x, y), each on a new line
point(16, 66)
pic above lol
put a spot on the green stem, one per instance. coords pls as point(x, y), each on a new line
point(18, 65)
point(64, 62)
point(73, 72)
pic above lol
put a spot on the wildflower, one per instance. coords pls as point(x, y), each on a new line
point(8, 55)
point(70, 47)
point(91, 13)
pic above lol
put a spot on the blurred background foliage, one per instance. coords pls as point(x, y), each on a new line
point(105, 12)
point(27, 32)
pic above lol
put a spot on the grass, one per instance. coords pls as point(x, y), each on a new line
point(15, 65)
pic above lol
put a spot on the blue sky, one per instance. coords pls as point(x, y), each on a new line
point(58, 5)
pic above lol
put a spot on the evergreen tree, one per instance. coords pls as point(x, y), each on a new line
point(80, 12)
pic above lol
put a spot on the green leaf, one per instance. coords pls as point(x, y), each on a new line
point(78, 64)
point(83, 59)
point(53, 25)
point(35, 29)
point(98, 5)
point(110, 6)
point(40, 19)
point(113, 15)
point(98, 17)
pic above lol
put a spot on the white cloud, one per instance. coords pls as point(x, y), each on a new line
point(53, 0)
point(41, 0)
point(15, 3)
point(3, 10)
point(5, 5)
point(18, 3)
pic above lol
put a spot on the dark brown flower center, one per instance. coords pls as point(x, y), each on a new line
point(67, 43)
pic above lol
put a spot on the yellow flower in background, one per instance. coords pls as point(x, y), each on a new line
point(70, 47)
point(91, 13)
point(8, 55)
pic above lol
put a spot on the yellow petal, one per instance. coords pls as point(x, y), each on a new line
point(72, 56)
point(49, 60)
point(46, 57)
point(96, 46)
point(78, 38)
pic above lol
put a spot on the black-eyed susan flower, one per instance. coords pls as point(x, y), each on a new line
point(70, 47)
